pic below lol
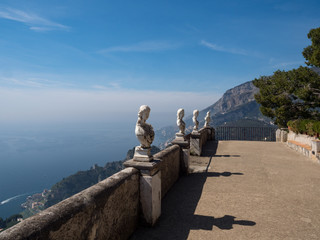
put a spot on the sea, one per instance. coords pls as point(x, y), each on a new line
point(35, 158)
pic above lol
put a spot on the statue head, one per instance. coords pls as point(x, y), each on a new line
point(207, 119)
point(196, 113)
point(144, 112)
point(180, 113)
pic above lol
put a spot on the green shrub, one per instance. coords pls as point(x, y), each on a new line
point(309, 128)
point(316, 127)
point(294, 125)
point(305, 126)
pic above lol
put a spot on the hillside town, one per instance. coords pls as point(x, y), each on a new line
point(34, 203)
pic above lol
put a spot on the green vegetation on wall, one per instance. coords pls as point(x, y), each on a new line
point(307, 126)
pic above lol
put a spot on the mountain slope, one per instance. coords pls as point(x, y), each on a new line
point(235, 104)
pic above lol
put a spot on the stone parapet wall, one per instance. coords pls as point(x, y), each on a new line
point(301, 138)
point(199, 139)
point(107, 210)
point(169, 167)
point(113, 208)
point(282, 135)
point(205, 134)
point(304, 144)
point(156, 178)
point(302, 148)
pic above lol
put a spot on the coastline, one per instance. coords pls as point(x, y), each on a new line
point(35, 160)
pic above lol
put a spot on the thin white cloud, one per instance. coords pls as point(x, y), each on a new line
point(115, 85)
point(100, 87)
point(41, 29)
point(35, 22)
point(218, 48)
point(147, 46)
point(110, 86)
point(32, 82)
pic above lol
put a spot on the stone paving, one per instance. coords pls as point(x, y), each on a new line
point(242, 190)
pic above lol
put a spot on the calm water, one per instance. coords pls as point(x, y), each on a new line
point(32, 160)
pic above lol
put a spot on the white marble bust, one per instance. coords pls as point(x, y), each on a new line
point(207, 120)
point(144, 131)
point(181, 124)
point(195, 121)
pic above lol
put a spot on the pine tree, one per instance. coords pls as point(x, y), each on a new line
point(294, 94)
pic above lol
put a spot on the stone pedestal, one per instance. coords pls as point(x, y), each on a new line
point(150, 197)
point(278, 135)
point(150, 189)
point(184, 155)
point(195, 144)
point(142, 154)
point(283, 135)
point(180, 137)
point(184, 165)
point(315, 147)
point(211, 133)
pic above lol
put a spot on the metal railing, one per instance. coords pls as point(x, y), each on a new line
point(246, 133)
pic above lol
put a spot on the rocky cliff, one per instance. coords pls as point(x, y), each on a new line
point(235, 104)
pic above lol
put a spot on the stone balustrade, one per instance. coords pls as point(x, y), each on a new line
point(307, 145)
point(112, 208)
point(282, 135)
point(107, 210)
point(198, 140)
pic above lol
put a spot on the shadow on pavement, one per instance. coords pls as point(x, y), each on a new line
point(223, 174)
point(210, 149)
point(178, 208)
point(227, 155)
point(225, 223)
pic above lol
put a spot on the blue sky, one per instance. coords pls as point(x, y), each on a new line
point(77, 59)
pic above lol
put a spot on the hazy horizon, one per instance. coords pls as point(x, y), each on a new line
point(73, 74)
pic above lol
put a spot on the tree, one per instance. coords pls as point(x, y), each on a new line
point(312, 53)
point(294, 94)
point(2, 223)
point(289, 95)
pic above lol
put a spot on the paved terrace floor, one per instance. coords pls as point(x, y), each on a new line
point(251, 190)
